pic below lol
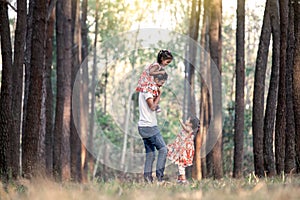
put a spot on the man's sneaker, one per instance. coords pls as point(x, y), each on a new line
point(148, 179)
point(161, 182)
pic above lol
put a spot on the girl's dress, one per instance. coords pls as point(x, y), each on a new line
point(146, 82)
point(181, 151)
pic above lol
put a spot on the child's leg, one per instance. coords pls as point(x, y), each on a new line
point(181, 170)
point(181, 176)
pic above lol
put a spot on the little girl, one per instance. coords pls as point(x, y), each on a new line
point(181, 151)
point(146, 82)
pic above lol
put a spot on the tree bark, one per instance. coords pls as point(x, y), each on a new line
point(76, 173)
point(67, 70)
point(27, 62)
point(84, 52)
point(296, 81)
point(192, 52)
point(258, 94)
point(49, 93)
point(280, 125)
point(193, 33)
point(205, 98)
point(94, 72)
point(239, 96)
point(62, 154)
point(20, 35)
point(6, 91)
point(59, 93)
point(215, 44)
point(290, 153)
point(270, 113)
point(30, 141)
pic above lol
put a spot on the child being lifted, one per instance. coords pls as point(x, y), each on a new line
point(146, 82)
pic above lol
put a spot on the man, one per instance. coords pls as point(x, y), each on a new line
point(150, 133)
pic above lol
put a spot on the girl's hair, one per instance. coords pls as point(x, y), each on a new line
point(195, 122)
point(163, 55)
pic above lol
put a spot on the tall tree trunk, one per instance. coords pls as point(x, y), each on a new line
point(94, 72)
point(67, 69)
point(290, 153)
point(61, 162)
point(84, 27)
point(84, 151)
point(62, 120)
point(84, 105)
point(193, 33)
point(75, 142)
point(49, 92)
point(192, 52)
point(258, 94)
point(205, 98)
point(20, 35)
point(27, 62)
point(59, 93)
point(30, 140)
point(84, 125)
point(280, 125)
point(239, 94)
point(270, 113)
point(215, 44)
point(6, 91)
point(296, 81)
point(203, 130)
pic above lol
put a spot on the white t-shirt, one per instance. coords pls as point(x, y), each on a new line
point(147, 116)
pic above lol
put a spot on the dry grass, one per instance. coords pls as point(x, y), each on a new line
point(248, 188)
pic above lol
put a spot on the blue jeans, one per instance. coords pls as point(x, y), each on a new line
point(151, 143)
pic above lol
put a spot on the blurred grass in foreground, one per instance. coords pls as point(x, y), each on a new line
point(227, 188)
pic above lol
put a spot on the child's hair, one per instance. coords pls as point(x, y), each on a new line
point(163, 55)
point(195, 122)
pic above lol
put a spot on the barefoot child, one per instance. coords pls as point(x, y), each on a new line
point(146, 82)
point(181, 151)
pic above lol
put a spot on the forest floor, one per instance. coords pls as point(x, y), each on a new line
point(247, 188)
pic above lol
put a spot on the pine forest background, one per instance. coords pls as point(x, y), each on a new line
point(254, 45)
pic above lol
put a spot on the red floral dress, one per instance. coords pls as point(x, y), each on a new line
point(146, 82)
point(181, 151)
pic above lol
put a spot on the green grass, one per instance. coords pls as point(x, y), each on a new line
point(226, 188)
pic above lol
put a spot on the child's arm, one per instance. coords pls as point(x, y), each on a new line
point(154, 70)
point(153, 102)
point(183, 125)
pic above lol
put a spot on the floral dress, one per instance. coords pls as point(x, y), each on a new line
point(146, 82)
point(181, 151)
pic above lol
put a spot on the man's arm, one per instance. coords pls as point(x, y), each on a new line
point(152, 103)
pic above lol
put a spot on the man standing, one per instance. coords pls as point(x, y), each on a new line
point(150, 133)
